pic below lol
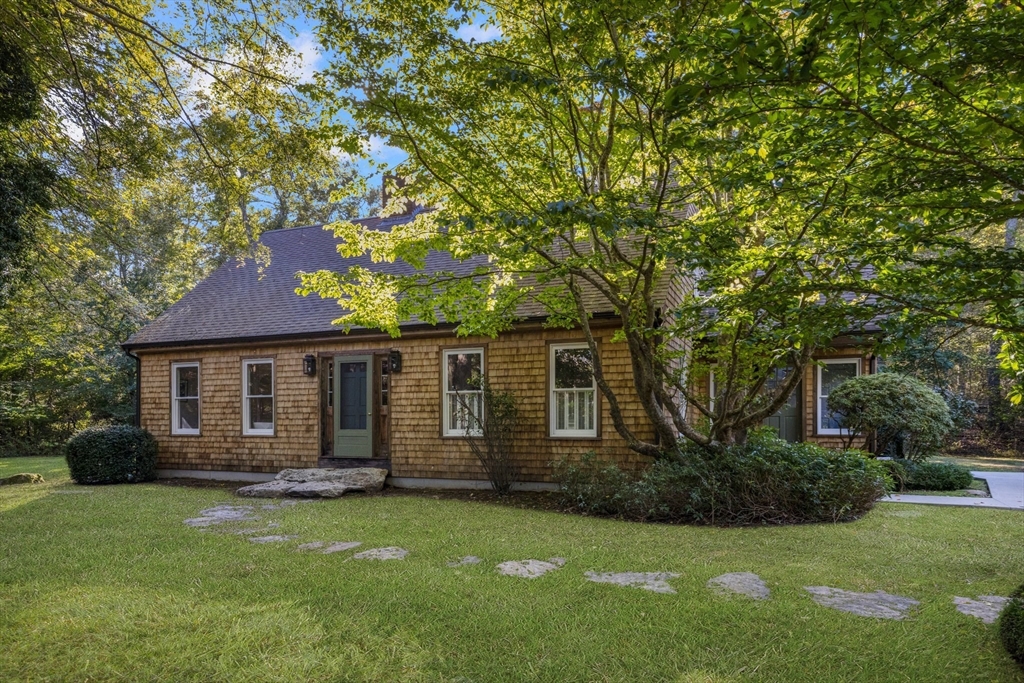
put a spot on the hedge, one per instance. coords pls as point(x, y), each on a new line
point(765, 481)
point(111, 455)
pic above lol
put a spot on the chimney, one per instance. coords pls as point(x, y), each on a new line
point(397, 182)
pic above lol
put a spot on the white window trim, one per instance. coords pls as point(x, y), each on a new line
point(175, 430)
point(446, 392)
point(829, 431)
point(553, 430)
point(246, 430)
point(712, 388)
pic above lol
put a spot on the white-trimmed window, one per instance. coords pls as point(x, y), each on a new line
point(463, 371)
point(258, 397)
point(573, 391)
point(184, 398)
point(831, 373)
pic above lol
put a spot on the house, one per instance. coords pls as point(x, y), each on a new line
point(242, 378)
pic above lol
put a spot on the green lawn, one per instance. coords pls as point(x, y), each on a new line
point(982, 464)
point(110, 585)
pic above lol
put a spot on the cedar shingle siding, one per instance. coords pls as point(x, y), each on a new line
point(516, 361)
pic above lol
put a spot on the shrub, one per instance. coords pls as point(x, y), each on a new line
point(765, 481)
point(1011, 626)
point(903, 412)
point(111, 455)
point(928, 476)
point(491, 439)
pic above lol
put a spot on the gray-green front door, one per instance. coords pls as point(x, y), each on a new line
point(353, 407)
point(787, 421)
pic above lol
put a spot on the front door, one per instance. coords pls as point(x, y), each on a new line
point(353, 407)
point(787, 421)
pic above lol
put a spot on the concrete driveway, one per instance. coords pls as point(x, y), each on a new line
point(1007, 489)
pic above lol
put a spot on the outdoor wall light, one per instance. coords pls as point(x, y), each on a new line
point(396, 361)
point(309, 365)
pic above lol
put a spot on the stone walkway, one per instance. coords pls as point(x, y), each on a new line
point(1007, 489)
point(226, 518)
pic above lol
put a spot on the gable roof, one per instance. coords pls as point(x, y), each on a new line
point(236, 303)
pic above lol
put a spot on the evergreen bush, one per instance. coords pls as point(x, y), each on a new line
point(117, 454)
point(909, 419)
point(1011, 626)
point(764, 481)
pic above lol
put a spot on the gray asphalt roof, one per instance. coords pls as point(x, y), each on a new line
point(238, 302)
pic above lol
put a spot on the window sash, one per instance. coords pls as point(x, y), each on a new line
point(257, 408)
point(824, 416)
point(182, 405)
point(573, 411)
point(462, 420)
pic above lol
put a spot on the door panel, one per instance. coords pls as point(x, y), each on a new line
point(353, 407)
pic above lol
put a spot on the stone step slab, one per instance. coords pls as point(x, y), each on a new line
point(318, 483)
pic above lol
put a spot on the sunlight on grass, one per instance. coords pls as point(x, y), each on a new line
point(54, 471)
point(112, 585)
point(984, 464)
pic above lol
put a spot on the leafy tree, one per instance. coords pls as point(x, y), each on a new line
point(178, 134)
point(593, 155)
point(24, 181)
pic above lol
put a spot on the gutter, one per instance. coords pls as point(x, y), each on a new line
point(410, 331)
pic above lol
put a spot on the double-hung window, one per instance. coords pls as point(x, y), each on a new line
point(463, 391)
point(573, 391)
point(184, 398)
point(831, 373)
point(258, 397)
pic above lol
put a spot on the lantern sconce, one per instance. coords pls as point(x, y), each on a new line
point(396, 361)
point(309, 365)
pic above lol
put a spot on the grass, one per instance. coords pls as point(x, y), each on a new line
point(982, 464)
point(110, 585)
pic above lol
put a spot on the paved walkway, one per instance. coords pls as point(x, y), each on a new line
point(1007, 489)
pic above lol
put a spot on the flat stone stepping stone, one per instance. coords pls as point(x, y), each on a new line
point(390, 553)
point(530, 569)
point(650, 581)
point(272, 539)
point(348, 545)
point(313, 545)
point(468, 559)
point(740, 583)
point(65, 491)
point(270, 489)
point(880, 605)
point(318, 483)
point(221, 514)
point(986, 607)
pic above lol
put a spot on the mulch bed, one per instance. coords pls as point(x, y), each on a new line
point(523, 500)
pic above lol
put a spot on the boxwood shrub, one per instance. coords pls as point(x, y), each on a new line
point(928, 476)
point(764, 481)
point(111, 455)
point(1011, 626)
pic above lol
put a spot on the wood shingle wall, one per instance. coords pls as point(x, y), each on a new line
point(516, 361)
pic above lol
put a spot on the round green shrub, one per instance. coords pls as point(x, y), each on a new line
point(764, 481)
point(905, 414)
point(111, 455)
point(1011, 626)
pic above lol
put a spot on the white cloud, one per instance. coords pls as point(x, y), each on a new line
point(307, 56)
point(382, 153)
point(480, 33)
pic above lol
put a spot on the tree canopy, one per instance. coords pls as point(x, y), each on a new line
point(796, 173)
